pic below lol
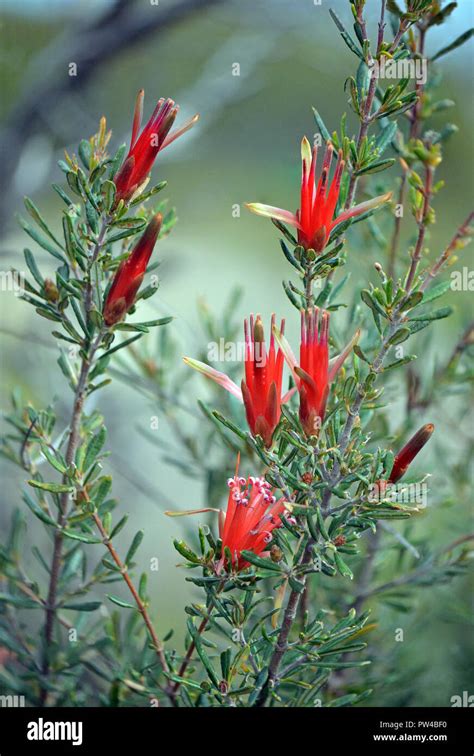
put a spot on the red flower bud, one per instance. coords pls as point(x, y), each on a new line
point(130, 273)
point(145, 147)
point(261, 389)
point(406, 455)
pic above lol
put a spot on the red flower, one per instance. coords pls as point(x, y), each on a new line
point(252, 513)
point(129, 275)
point(145, 147)
point(261, 389)
point(315, 220)
point(406, 455)
point(315, 372)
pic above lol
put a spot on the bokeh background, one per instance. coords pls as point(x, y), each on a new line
point(244, 148)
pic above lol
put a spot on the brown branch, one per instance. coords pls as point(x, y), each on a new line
point(462, 233)
point(157, 645)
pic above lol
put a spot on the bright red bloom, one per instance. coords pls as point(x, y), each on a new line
point(145, 147)
point(252, 514)
point(315, 372)
point(261, 389)
point(315, 220)
point(129, 275)
point(406, 455)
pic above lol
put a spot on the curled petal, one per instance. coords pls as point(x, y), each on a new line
point(179, 132)
point(363, 207)
point(273, 212)
point(185, 512)
point(221, 378)
point(286, 397)
point(336, 362)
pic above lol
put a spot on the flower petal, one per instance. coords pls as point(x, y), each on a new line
point(287, 352)
point(221, 378)
point(336, 362)
point(179, 132)
point(363, 207)
point(273, 212)
point(306, 153)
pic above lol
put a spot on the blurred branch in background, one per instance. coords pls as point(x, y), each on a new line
point(121, 26)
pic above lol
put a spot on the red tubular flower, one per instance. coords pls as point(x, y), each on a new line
point(406, 455)
point(315, 220)
point(260, 391)
point(145, 147)
point(129, 275)
point(252, 513)
point(315, 372)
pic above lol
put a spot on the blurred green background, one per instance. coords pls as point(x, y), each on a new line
point(244, 148)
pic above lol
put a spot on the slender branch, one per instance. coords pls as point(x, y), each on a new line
point(51, 607)
point(462, 232)
point(73, 442)
point(187, 659)
point(281, 646)
point(427, 192)
point(157, 645)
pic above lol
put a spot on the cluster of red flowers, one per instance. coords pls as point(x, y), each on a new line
point(261, 389)
point(253, 510)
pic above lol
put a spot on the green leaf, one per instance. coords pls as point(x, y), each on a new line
point(20, 601)
point(385, 136)
point(124, 233)
point(119, 526)
point(345, 35)
point(322, 128)
point(54, 460)
point(33, 268)
point(453, 45)
point(37, 510)
point(436, 291)
point(375, 167)
point(120, 602)
point(51, 487)
point(399, 336)
point(258, 561)
point(138, 538)
point(146, 195)
point(108, 193)
point(443, 312)
point(41, 240)
point(186, 552)
point(400, 362)
point(84, 606)
point(102, 490)
point(342, 566)
point(36, 215)
point(94, 447)
point(201, 652)
point(81, 537)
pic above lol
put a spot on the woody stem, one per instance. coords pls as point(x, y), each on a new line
point(157, 645)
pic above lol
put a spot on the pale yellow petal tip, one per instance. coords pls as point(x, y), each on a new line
point(306, 153)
